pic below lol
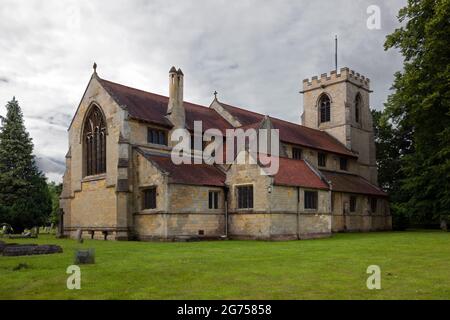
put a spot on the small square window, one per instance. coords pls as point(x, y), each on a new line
point(149, 198)
point(213, 200)
point(156, 136)
point(311, 199)
point(296, 153)
point(322, 159)
point(343, 164)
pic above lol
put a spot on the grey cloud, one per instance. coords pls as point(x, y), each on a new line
point(254, 53)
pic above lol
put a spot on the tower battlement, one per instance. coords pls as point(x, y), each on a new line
point(345, 74)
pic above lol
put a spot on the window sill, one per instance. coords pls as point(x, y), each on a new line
point(159, 146)
point(149, 212)
point(94, 177)
point(309, 210)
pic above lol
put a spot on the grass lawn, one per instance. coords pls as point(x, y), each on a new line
point(414, 265)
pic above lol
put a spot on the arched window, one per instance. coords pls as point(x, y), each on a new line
point(94, 142)
point(324, 107)
point(357, 108)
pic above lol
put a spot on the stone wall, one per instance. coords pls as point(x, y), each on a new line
point(342, 90)
point(182, 211)
point(278, 211)
point(332, 160)
point(94, 206)
point(92, 202)
point(362, 219)
point(173, 226)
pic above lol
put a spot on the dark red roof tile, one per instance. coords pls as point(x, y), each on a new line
point(291, 132)
point(152, 107)
point(191, 174)
point(351, 183)
point(297, 173)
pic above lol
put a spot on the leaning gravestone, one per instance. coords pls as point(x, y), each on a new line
point(84, 256)
point(79, 236)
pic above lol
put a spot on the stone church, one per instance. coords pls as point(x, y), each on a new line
point(120, 182)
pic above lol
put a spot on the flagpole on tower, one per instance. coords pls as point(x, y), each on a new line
point(335, 52)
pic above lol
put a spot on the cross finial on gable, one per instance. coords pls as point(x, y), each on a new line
point(215, 95)
point(95, 67)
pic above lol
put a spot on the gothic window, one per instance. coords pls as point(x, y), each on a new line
point(324, 107)
point(357, 107)
point(94, 141)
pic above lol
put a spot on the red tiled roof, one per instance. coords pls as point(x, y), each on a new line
point(152, 107)
point(297, 173)
point(291, 132)
point(351, 183)
point(191, 174)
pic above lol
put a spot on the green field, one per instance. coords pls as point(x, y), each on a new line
point(414, 265)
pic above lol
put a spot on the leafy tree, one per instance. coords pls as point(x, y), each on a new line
point(24, 197)
point(420, 107)
point(55, 192)
point(391, 146)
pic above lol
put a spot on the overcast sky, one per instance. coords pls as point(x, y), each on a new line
point(254, 53)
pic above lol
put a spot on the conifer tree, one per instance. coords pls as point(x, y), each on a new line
point(24, 197)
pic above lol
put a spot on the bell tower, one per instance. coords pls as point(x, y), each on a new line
point(338, 103)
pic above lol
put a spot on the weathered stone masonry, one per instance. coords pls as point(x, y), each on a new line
point(334, 167)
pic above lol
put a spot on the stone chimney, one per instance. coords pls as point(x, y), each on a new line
point(175, 109)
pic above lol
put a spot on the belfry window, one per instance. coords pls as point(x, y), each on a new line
point(324, 107)
point(357, 107)
point(94, 142)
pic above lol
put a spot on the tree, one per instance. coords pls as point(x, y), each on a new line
point(391, 146)
point(420, 106)
point(24, 197)
point(55, 192)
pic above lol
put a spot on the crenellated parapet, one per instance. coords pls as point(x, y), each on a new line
point(333, 77)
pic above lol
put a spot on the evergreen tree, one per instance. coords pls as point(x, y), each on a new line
point(420, 107)
point(24, 197)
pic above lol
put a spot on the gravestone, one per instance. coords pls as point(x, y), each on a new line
point(79, 236)
point(84, 256)
point(30, 249)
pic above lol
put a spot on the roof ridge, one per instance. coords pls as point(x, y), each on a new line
point(272, 118)
point(151, 93)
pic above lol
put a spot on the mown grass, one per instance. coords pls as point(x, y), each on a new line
point(414, 265)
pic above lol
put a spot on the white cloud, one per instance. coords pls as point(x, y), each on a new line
point(254, 53)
